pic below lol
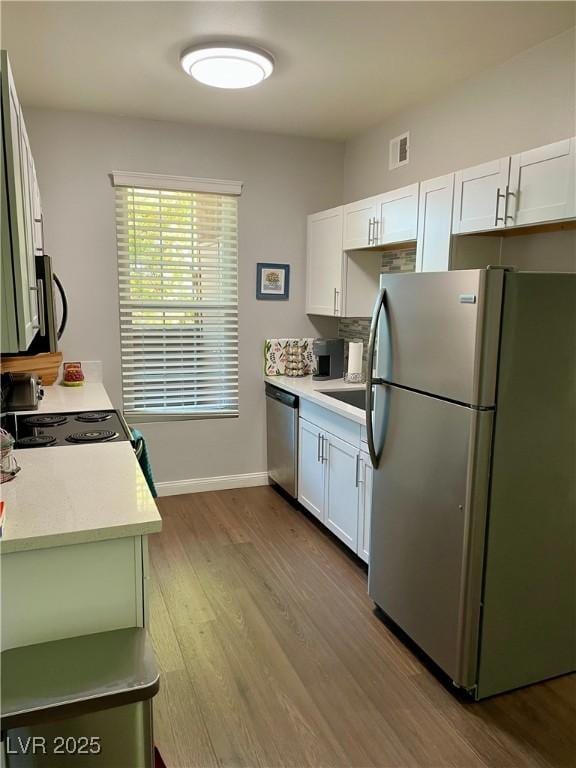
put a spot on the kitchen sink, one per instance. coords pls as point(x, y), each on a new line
point(355, 397)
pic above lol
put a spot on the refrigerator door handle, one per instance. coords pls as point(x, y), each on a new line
point(370, 380)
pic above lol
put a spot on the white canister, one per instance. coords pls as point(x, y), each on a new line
point(355, 353)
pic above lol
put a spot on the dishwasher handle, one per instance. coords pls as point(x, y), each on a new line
point(286, 398)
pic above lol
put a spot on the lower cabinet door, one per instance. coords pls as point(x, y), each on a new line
point(311, 468)
point(342, 481)
point(364, 506)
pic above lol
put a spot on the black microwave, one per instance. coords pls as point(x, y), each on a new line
point(51, 328)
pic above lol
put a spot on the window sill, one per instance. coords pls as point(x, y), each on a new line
point(148, 418)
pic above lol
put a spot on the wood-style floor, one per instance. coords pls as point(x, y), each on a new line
point(271, 655)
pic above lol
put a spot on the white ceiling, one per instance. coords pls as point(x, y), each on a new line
point(341, 66)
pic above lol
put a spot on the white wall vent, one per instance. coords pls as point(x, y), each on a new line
point(399, 151)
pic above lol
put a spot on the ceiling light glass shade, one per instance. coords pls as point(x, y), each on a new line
point(226, 66)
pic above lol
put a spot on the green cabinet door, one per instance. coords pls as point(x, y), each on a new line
point(19, 289)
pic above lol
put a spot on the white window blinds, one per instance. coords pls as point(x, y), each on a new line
point(178, 286)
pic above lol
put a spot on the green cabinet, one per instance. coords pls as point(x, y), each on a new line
point(21, 216)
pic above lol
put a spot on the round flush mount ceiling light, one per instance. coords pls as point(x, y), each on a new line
point(224, 65)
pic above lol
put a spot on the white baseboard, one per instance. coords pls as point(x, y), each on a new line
point(200, 484)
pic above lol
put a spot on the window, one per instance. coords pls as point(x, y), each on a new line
point(178, 285)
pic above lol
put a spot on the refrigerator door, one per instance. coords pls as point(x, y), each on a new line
point(529, 618)
point(428, 523)
point(438, 333)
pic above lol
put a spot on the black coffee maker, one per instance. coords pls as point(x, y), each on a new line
point(329, 354)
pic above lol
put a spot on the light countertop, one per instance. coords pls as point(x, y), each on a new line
point(311, 389)
point(75, 494)
point(60, 399)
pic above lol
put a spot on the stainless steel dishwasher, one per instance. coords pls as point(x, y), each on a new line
point(282, 438)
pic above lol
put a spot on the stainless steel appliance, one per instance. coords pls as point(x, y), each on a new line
point(51, 330)
point(24, 391)
point(329, 354)
point(472, 375)
point(282, 438)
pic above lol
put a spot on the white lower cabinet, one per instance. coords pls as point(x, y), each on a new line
point(335, 483)
point(311, 468)
point(341, 489)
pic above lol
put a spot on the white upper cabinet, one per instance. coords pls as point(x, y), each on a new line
point(397, 216)
point(532, 187)
point(343, 267)
point(360, 224)
point(480, 197)
point(324, 263)
point(542, 184)
point(434, 224)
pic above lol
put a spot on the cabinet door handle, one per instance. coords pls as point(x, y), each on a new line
point(358, 474)
point(336, 302)
point(41, 307)
point(508, 195)
point(496, 217)
point(370, 225)
point(318, 450)
point(376, 232)
point(324, 455)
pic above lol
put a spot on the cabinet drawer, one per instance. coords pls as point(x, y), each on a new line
point(340, 426)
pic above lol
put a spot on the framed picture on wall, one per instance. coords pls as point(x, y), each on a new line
point(272, 281)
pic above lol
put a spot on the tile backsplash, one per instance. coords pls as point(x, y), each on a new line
point(358, 328)
point(354, 329)
point(399, 261)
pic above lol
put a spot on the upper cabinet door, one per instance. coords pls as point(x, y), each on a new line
point(359, 224)
point(324, 263)
point(37, 211)
point(16, 161)
point(435, 224)
point(397, 216)
point(542, 184)
point(28, 184)
point(480, 197)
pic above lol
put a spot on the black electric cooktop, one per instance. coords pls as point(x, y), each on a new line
point(41, 430)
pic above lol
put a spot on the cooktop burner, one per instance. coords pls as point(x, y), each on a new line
point(34, 430)
point(96, 436)
point(47, 420)
point(91, 416)
point(35, 441)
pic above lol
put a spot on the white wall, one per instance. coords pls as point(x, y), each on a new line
point(525, 102)
point(285, 179)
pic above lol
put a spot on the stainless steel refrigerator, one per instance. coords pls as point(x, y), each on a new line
point(471, 421)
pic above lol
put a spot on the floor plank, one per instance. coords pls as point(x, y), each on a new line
point(271, 655)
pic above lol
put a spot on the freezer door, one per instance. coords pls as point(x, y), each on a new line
point(428, 523)
point(439, 331)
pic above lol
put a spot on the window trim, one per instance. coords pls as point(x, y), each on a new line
point(176, 183)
